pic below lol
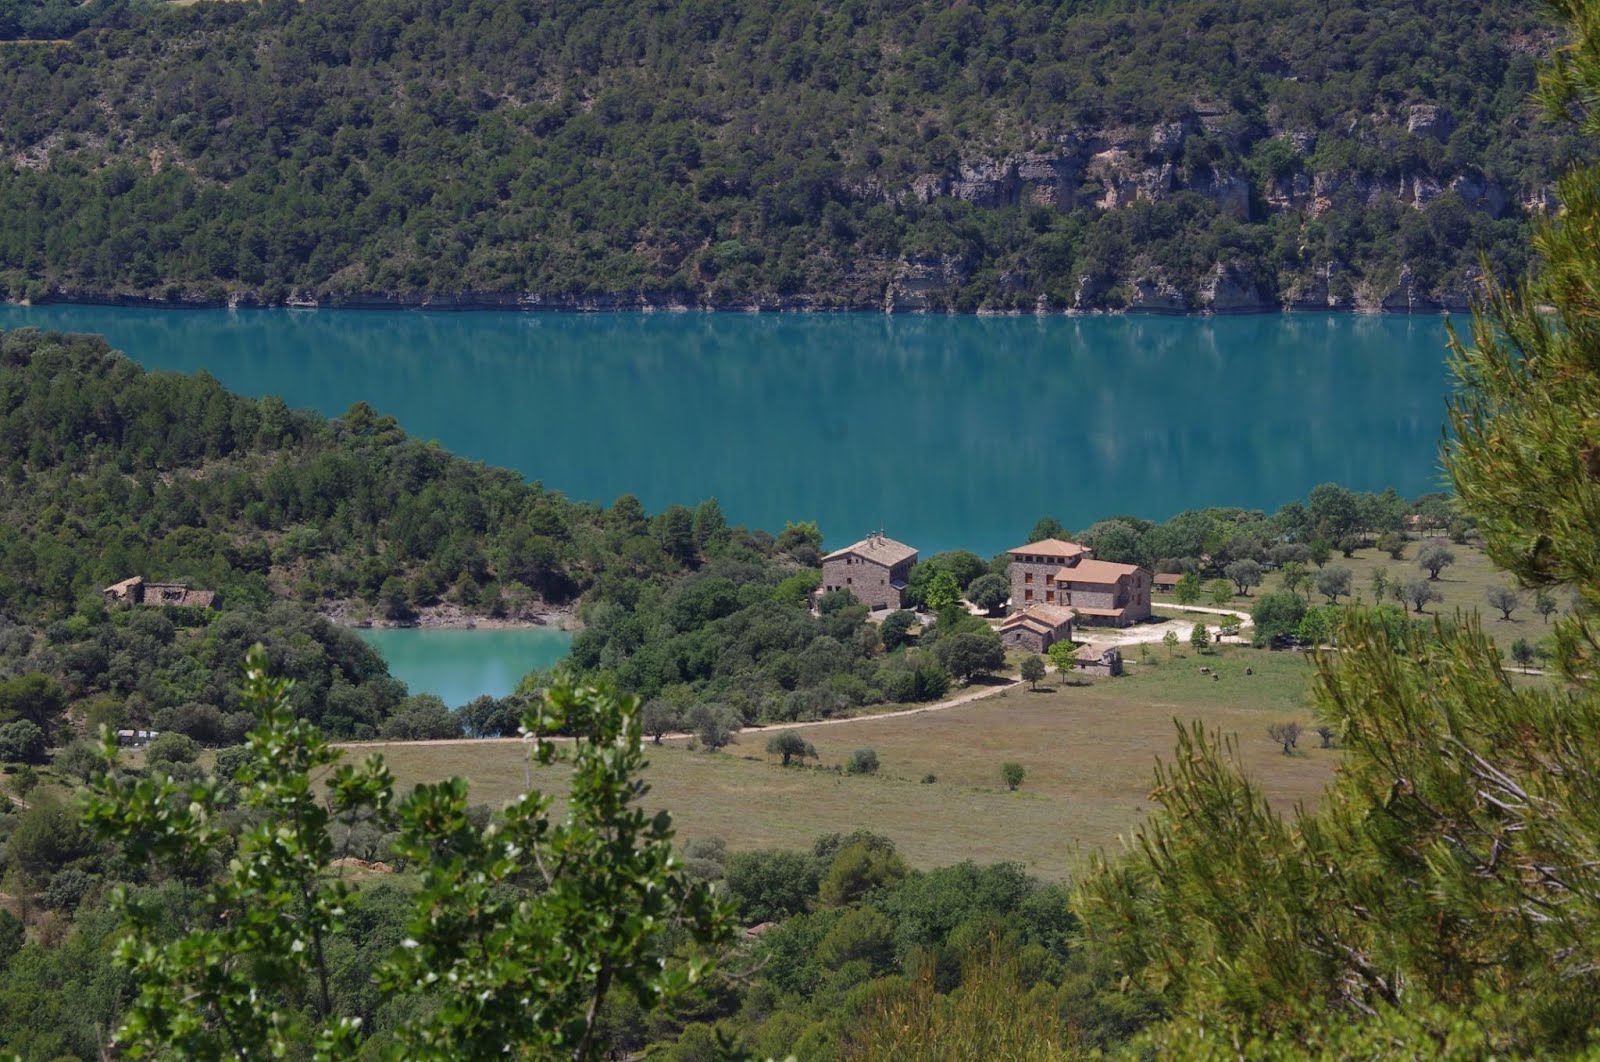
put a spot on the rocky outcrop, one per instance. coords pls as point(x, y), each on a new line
point(1154, 293)
point(924, 283)
point(1231, 289)
point(1428, 120)
point(1324, 288)
point(1229, 191)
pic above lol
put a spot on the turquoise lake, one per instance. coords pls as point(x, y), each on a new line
point(945, 431)
point(461, 665)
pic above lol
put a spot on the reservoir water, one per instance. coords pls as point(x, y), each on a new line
point(460, 665)
point(945, 431)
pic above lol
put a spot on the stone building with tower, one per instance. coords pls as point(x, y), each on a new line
point(1056, 574)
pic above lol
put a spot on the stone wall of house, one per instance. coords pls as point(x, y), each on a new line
point(1036, 577)
point(1027, 640)
point(866, 581)
point(1096, 595)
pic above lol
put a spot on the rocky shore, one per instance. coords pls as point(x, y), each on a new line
point(449, 616)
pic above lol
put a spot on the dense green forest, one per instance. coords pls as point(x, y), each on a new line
point(1014, 154)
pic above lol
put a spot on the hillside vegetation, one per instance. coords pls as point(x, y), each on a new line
point(894, 153)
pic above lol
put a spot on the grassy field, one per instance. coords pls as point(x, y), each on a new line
point(1463, 585)
point(1088, 751)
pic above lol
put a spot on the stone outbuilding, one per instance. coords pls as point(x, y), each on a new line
point(1036, 628)
point(874, 571)
point(136, 591)
point(1103, 660)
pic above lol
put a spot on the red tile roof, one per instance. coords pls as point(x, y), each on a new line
point(1051, 547)
point(1095, 571)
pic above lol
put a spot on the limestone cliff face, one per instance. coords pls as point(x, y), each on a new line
point(1113, 169)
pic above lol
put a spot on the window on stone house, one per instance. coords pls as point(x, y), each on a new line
point(1027, 577)
point(1028, 596)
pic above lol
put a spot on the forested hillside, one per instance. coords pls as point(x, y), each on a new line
point(112, 472)
point(906, 154)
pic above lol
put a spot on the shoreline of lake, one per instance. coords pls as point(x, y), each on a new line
point(451, 617)
point(470, 303)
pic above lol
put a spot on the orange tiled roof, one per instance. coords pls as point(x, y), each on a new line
point(1051, 547)
point(1095, 571)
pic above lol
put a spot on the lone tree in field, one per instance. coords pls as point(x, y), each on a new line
point(1545, 603)
point(1244, 574)
point(1013, 774)
point(714, 724)
point(1188, 589)
point(1285, 734)
point(1200, 638)
point(1064, 655)
point(790, 745)
point(1326, 732)
point(1221, 592)
point(863, 761)
point(1033, 670)
point(1523, 653)
point(1380, 585)
point(1170, 640)
point(1334, 582)
point(660, 718)
point(1505, 599)
point(1394, 544)
point(1419, 592)
point(1435, 557)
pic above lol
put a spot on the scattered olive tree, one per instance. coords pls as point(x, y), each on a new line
point(1334, 582)
point(1435, 557)
point(790, 746)
point(1504, 598)
point(1419, 592)
point(1012, 774)
point(1285, 734)
point(863, 761)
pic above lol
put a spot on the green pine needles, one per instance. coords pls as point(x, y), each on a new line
point(521, 927)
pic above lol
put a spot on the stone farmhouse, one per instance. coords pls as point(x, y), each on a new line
point(874, 571)
point(1066, 575)
point(136, 591)
point(1036, 628)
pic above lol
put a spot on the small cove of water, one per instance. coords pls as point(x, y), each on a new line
point(458, 665)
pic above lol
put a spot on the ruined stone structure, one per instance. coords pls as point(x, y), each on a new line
point(1103, 660)
point(136, 591)
point(874, 571)
point(1065, 574)
point(1036, 628)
